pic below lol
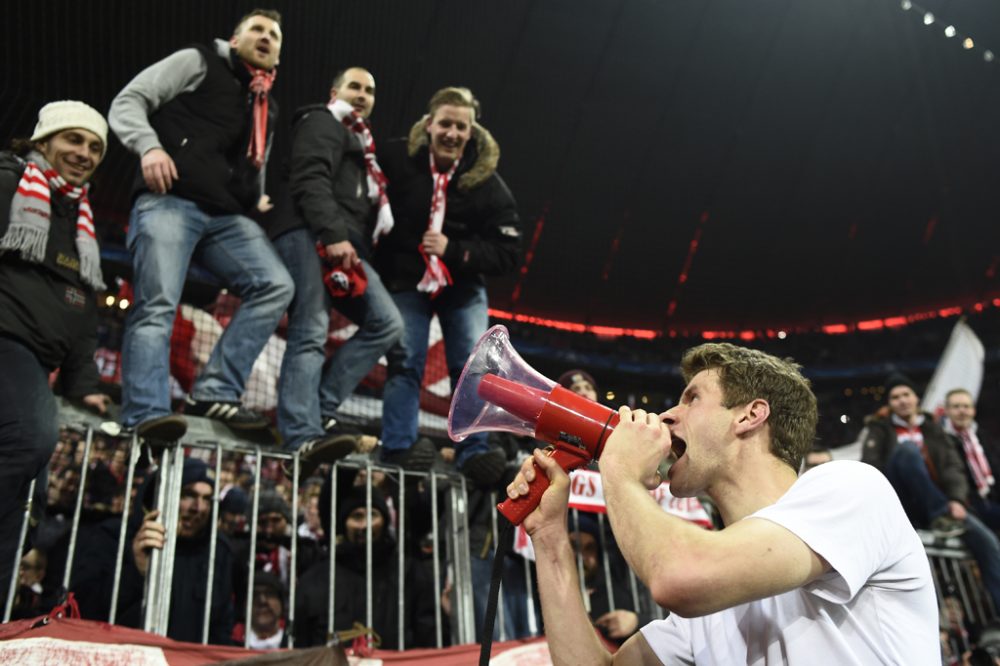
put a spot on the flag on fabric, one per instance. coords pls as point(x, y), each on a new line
point(961, 366)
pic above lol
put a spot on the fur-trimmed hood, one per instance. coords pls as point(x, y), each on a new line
point(487, 152)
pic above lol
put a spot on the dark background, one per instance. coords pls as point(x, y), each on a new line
point(685, 165)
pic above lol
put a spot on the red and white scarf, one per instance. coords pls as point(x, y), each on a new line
point(260, 86)
point(907, 432)
point(377, 182)
point(31, 213)
point(979, 466)
point(436, 276)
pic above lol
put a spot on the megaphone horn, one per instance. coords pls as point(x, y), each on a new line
point(498, 390)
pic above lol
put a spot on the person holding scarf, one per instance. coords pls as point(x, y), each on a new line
point(200, 120)
point(456, 223)
point(50, 273)
point(340, 210)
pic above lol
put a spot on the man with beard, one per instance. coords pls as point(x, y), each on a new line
point(352, 567)
point(187, 592)
point(200, 120)
point(819, 566)
point(339, 210)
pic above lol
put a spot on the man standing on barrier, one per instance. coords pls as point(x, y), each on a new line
point(456, 223)
point(200, 120)
point(50, 273)
point(823, 566)
point(340, 209)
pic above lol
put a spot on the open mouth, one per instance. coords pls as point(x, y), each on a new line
point(677, 447)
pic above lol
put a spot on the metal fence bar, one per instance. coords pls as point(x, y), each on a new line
point(606, 556)
point(15, 572)
point(206, 616)
point(151, 591)
point(438, 634)
point(401, 562)
point(575, 514)
point(75, 525)
point(251, 569)
point(133, 458)
point(498, 554)
point(332, 539)
point(176, 477)
point(293, 568)
point(369, 609)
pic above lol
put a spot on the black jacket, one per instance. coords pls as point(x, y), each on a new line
point(879, 441)
point(328, 182)
point(207, 132)
point(349, 592)
point(47, 307)
point(481, 220)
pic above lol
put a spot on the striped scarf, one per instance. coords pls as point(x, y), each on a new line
point(260, 86)
point(377, 182)
point(436, 275)
point(975, 456)
point(30, 219)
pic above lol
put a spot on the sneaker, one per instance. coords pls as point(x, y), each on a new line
point(169, 428)
point(417, 458)
point(485, 469)
point(945, 527)
point(315, 452)
point(233, 414)
point(329, 423)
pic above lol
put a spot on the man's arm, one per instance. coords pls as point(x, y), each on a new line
point(153, 87)
point(689, 570)
point(572, 639)
point(317, 153)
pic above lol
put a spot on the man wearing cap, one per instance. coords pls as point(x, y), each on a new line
point(339, 210)
point(923, 467)
point(580, 382)
point(50, 273)
point(190, 573)
point(352, 566)
point(201, 121)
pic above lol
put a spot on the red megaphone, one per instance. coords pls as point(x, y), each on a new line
point(499, 391)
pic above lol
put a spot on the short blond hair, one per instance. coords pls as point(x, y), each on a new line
point(749, 374)
point(454, 96)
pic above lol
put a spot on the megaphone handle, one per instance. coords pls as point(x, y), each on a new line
point(516, 510)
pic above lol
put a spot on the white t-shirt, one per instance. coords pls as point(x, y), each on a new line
point(876, 606)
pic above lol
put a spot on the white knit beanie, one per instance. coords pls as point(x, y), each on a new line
point(67, 114)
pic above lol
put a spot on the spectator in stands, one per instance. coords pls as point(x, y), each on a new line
point(615, 623)
point(823, 563)
point(339, 210)
point(200, 120)
point(977, 451)
point(352, 565)
point(232, 512)
point(455, 223)
point(50, 273)
point(580, 382)
point(190, 573)
point(817, 455)
point(923, 466)
point(268, 619)
point(36, 594)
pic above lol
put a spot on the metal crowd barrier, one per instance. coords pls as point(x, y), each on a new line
point(956, 574)
point(218, 440)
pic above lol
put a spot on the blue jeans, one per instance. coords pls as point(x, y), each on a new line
point(164, 233)
point(513, 593)
point(924, 501)
point(306, 388)
point(28, 434)
point(919, 495)
point(462, 312)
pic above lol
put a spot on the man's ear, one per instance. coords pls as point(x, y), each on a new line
point(232, 41)
point(751, 416)
point(333, 94)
